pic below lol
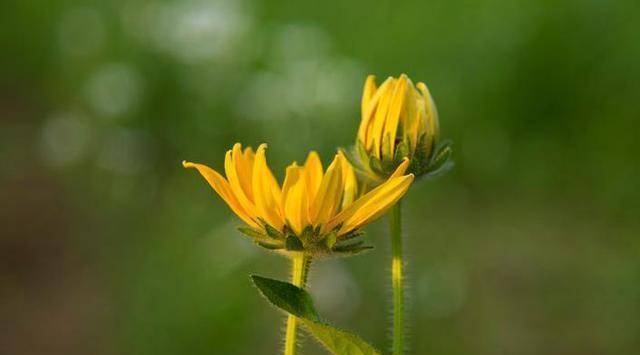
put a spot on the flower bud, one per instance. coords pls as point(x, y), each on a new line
point(399, 120)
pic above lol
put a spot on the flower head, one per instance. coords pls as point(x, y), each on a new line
point(399, 121)
point(314, 210)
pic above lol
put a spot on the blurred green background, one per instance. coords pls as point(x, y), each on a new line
point(107, 246)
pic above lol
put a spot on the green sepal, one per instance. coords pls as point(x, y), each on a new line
point(376, 165)
point(351, 235)
point(351, 249)
point(293, 243)
point(362, 152)
point(252, 233)
point(440, 162)
point(359, 159)
point(299, 303)
point(269, 246)
point(419, 160)
point(402, 151)
point(271, 232)
point(307, 233)
point(385, 149)
point(331, 239)
point(352, 156)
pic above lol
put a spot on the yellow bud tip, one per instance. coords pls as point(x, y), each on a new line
point(187, 164)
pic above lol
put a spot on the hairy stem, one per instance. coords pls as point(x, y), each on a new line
point(397, 279)
point(299, 269)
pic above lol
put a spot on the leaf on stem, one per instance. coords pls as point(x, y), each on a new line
point(298, 302)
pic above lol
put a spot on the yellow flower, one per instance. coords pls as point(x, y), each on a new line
point(314, 210)
point(399, 121)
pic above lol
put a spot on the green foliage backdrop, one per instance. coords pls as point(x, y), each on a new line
point(107, 246)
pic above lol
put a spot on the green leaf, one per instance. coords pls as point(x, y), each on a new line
point(338, 341)
point(298, 302)
point(287, 297)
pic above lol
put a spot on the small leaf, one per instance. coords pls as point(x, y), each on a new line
point(440, 158)
point(386, 153)
point(271, 232)
point(352, 156)
point(351, 235)
point(331, 239)
point(376, 165)
point(299, 303)
point(252, 233)
point(307, 232)
point(269, 246)
point(362, 152)
point(353, 252)
point(441, 170)
point(289, 298)
point(402, 151)
point(293, 243)
point(352, 249)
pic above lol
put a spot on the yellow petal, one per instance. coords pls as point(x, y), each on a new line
point(290, 179)
point(245, 170)
point(367, 94)
point(350, 182)
point(367, 123)
point(371, 205)
point(393, 115)
point(432, 120)
point(378, 205)
point(313, 173)
point(327, 201)
point(375, 139)
point(266, 191)
point(413, 117)
point(223, 189)
point(400, 170)
point(368, 91)
point(295, 198)
point(233, 167)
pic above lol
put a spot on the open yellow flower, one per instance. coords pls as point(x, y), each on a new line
point(399, 121)
point(313, 210)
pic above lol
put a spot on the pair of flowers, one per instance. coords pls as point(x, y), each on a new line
point(318, 212)
point(315, 209)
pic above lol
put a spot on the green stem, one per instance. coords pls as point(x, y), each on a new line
point(397, 279)
point(299, 269)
